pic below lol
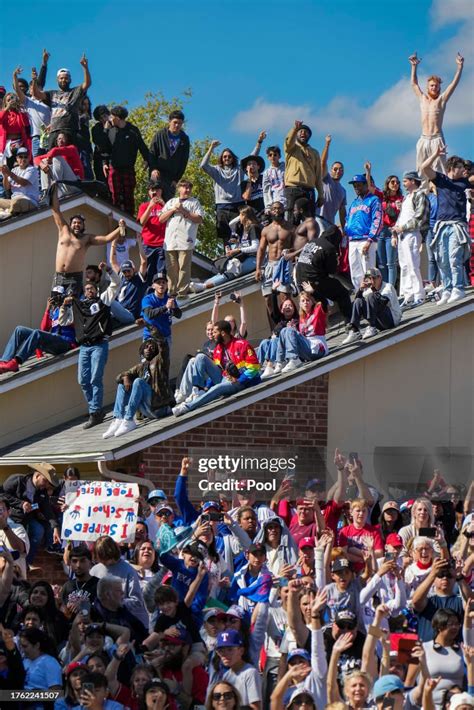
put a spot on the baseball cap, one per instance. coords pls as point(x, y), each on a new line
point(461, 699)
point(299, 653)
point(22, 151)
point(164, 506)
point(301, 694)
point(345, 616)
point(411, 175)
point(306, 542)
point(386, 684)
point(74, 667)
point(183, 638)
point(304, 501)
point(390, 504)
point(229, 639)
point(235, 611)
point(360, 177)
point(340, 564)
point(211, 505)
point(194, 550)
point(128, 264)
point(154, 184)
point(58, 289)
point(157, 493)
point(373, 273)
point(160, 276)
point(209, 613)
point(63, 71)
point(46, 470)
point(305, 127)
point(95, 628)
point(257, 547)
point(394, 539)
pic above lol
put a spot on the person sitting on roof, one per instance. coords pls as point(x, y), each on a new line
point(61, 164)
point(377, 302)
point(23, 183)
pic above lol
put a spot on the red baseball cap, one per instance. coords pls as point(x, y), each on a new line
point(394, 539)
point(306, 542)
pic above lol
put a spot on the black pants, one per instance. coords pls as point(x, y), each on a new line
point(374, 309)
point(294, 193)
point(335, 291)
point(224, 215)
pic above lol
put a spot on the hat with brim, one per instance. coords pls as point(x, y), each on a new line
point(46, 470)
point(260, 162)
point(390, 505)
point(358, 178)
point(305, 127)
point(22, 151)
point(386, 684)
point(411, 175)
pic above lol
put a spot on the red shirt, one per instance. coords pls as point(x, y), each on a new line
point(200, 681)
point(314, 323)
point(70, 155)
point(350, 536)
point(391, 207)
point(153, 231)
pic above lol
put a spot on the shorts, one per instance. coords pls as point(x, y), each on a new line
point(268, 280)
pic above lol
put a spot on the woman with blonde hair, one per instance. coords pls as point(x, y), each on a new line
point(422, 516)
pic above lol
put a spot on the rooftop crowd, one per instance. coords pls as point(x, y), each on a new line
point(326, 596)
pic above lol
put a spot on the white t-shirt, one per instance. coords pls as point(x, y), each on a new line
point(38, 113)
point(181, 233)
point(30, 191)
point(121, 250)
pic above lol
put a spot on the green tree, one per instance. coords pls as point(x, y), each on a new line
point(149, 117)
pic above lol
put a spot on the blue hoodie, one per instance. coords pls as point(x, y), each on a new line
point(364, 219)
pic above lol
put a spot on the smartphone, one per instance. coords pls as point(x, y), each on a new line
point(205, 518)
point(353, 456)
point(427, 532)
point(88, 686)
point(85, 607)
point(34, 506)
point(216, 517)
point(390, 556)
point(405, 648)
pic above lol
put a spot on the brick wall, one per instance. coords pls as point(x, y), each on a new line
point(295, 418)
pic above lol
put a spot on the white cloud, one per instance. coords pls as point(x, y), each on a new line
point(264, 115)
point(406, 161)
point(446, 12)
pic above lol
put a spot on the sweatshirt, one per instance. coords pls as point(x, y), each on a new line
point(364, 219)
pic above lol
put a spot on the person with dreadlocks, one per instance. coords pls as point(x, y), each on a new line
point(144, 387)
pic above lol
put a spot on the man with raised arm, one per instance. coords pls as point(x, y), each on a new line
point(73, 243)
point(334, 194)
point(64, 101)
point(432, 105)
point(303, 168)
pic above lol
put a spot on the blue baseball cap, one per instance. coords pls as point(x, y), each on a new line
point(157, 493)
point(229, 639)
point(358, 178)
point(211, 505)
point(386, 684)
point(299, 653)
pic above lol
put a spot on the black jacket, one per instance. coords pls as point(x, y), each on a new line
point(92, 321)
point(171, 167)
point(121, 147)
point(19, 488)
point(317, 261)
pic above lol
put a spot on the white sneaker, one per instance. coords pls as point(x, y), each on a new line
point(444, 298)
point(196, 286)
point(125, 427)
point(179, 397)
point(351, 337)
point(418, 302)
point(114, 425)
point(278, 368)
point(195, 393)
point(406, 303)
point(456, 295)
point(369, 332)
point(180, 409)
point(268, 371)
point(293, 364)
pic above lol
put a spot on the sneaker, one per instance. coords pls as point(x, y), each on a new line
point(369, 332)
point(278, 368)
point(406, 303)
point(195, 393)
point(55, 549)
point(114, 425)
point(456, 295)
point(446, 295)
point(196, 287)
point(125, 427)
point(179, 397)
point(418, 302)
point(94, 419)
point(9, 366)
point(352, 337)
point(180, 409)
point(268, 371)
point(293, 364)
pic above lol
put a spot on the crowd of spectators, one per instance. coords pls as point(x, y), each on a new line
point(323, 597)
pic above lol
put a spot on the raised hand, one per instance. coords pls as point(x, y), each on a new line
point(339, 460)
point(319, 602)
point(343, 643)
point(46, 56)
point(328, 138)
point(186, 462)
point(34, 74)
point(307, 287)
point(298, 672)
point(18, 70)
point(261, 136)
point(459, 60)
point(414, 59)
point(83, 61)
point(368, 166)
point(214, 144)
point(298, 124)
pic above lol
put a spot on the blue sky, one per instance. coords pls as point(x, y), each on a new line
point(339, 65)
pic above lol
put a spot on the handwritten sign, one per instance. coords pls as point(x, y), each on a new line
point(101, 508)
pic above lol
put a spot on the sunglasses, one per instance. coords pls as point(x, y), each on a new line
point(444, 575)
point(346, 625)
point(227, 695)
point(167, 513)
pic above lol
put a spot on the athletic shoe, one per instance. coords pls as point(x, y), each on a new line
point(196, 286)
point(456, 295)
point(114, 425)
point(353, 336)
point(268, 371)
point(126, 425)
point(278, 368)
point(195, 393)
point(180, 409)
point(94, 419)
point(369, 332)
point(444, 298)
point(293, 364)
point(179, 397)
point(406, 303)
point(418, 302)
point(55, 549)
point(8, 366)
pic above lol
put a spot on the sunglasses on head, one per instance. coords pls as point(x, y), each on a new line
point(226, 695)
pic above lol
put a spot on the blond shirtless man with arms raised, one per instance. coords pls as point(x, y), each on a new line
point(432, 105)
point(73, 243)
point(276, 237)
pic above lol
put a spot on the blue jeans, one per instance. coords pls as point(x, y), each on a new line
point(433, 270)
point(204, 369)
point(37, 532)
point(123, 315)
point(387, 256)
point(24, 341)
point(138, 397)
point(267, 350)
point(247, 266)
point(292, 345)
point(155, 261)
point(92, 360)
point(450, 255)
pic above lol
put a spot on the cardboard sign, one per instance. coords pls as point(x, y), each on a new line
point(101, 508)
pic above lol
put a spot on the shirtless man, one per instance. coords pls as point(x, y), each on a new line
point(73, 243)
point(432, 105)
point(276, 237)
